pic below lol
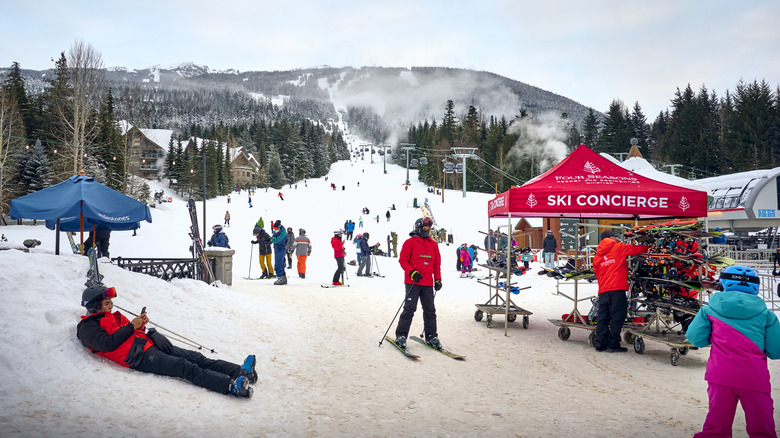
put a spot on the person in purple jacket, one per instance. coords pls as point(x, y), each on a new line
point(743, 334)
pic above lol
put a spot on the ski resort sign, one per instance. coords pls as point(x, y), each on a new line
point(589, 185)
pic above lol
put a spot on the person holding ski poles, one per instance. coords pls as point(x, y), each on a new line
point(131, 345)
point(338, 254)
point(421, 262)
point(263, 241)
point(365, 257)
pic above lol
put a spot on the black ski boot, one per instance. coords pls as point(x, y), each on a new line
point(265, 275)
point(281, 280)
point(401, 341)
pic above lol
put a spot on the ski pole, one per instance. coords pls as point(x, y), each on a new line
point(396, 315)
point(171, 332)
point(249, 275)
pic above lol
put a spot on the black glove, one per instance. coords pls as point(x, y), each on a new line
point(159, 340)
point(437, 284)
point(416, 276)
point(254, 241)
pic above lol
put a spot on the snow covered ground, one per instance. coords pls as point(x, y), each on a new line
point(321, 370)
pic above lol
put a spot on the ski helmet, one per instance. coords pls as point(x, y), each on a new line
point(94, 295)
point(338, 233)
point(289, 229)
point(217, 228)
point(277, 224)
point(365, 236)
point(741, 278)
point(301, 231)
point(423, 222)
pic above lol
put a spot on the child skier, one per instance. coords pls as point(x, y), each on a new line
point(465, 261)
point(526, 257)
point(218, 239)
point(743, 334)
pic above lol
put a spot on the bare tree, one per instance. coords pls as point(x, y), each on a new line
point(76, 113)
point(12, 135)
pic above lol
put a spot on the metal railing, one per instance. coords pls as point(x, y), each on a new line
point(165, 269)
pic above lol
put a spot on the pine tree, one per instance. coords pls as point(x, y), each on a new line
point(641, 129)
point(276, 177)
point(590, 129)
point(34, 171)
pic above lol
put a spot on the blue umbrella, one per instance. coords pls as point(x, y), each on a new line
point(80, 202)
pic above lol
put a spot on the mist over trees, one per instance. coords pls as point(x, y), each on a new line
point(57, 122)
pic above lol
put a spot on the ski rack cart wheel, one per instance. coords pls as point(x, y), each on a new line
point(660, 328)
point(564, 328)
point(496, 304)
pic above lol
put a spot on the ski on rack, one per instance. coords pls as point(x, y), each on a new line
point(406, 352)
point(442, 351)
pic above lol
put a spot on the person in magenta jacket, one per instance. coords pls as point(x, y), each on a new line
point(421, 262)
point(611, 270)
point(338, 253)
point(743, 333)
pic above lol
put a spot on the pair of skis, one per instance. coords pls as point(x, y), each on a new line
point(197, 245)
point(413, 356)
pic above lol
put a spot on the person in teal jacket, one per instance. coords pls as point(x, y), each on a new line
point(743, 333)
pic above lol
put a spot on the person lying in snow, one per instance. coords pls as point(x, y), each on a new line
point(129, 344)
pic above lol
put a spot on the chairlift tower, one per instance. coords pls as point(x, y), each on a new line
point(464, 153)
point(407, 147)
point(383, 150)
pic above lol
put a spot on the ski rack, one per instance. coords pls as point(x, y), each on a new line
point(496, 305)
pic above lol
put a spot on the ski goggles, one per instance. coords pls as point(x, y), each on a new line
point(741, 278)
point(109, 293)
point(427, 222)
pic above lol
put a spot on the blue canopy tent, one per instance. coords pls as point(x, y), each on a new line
point(80, 202)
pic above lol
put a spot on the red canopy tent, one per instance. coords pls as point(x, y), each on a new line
point(585, 184)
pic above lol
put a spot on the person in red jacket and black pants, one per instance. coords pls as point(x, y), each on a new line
point(611, 270)
point(338, 253)
point(421, 263)
point(128, 343)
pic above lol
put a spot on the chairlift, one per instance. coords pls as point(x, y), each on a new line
point(413, 163)
point(381, 152)
point(423, 161)
point(395, 156)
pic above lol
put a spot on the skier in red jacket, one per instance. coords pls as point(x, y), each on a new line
point(128, 343)
point(421, 263)
point(338, 253)
point(611, 270)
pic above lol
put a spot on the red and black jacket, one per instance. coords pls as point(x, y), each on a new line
point(112, 336)
point(422, 255)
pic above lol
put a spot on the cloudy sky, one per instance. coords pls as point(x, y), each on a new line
point(593, 52)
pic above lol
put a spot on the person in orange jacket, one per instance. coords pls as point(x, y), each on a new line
point(611, 270)
point(129, 344)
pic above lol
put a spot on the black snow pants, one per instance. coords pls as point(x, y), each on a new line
point(212, 374)
point(613, 307)
point(425, 295)
point(339, 269)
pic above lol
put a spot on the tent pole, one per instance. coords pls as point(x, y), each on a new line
point(81, 226)
point(508, 282)
point(57, 237)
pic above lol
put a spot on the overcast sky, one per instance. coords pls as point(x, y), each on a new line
point(591, 51)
